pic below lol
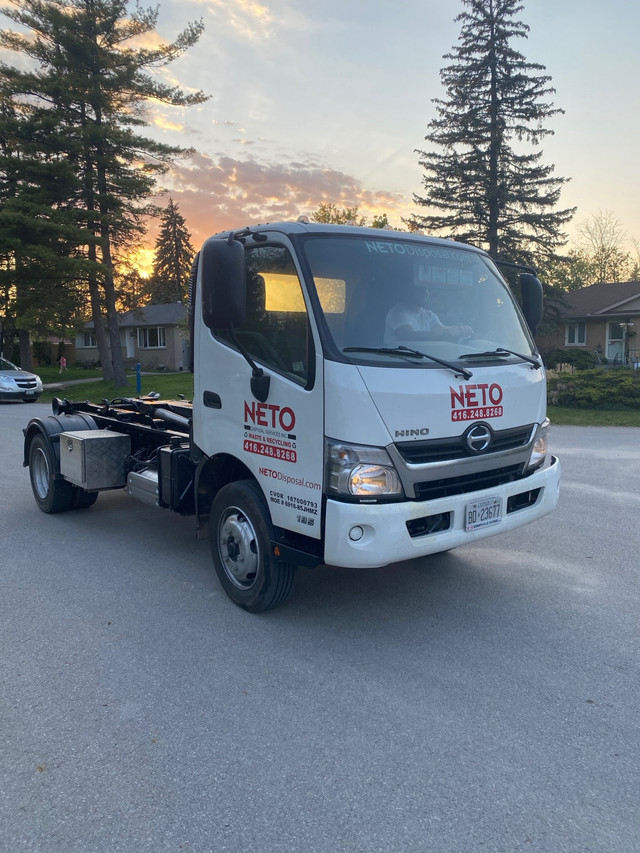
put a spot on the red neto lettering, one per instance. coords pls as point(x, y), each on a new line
point(269, 415)
point(475, 396)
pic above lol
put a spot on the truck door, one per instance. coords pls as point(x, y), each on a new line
point(280, 439)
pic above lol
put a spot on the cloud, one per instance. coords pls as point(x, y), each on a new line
point(251, 20)
point(164, 124)
point(219, 193)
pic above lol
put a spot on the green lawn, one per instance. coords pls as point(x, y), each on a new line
point(171, 385)
point(168, 385)
point(52, 374)
point(564, 416)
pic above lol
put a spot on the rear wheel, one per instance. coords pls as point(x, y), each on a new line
point(241, 533)
point(51, 494)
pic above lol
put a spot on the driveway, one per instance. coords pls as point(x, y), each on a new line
point(484, 699)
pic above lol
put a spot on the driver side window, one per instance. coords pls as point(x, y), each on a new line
point(276, 328)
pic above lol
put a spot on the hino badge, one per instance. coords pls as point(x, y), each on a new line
point(361, 397)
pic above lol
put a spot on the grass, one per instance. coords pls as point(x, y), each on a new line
point(170, 385)
point(564, 416)
point(52, 374)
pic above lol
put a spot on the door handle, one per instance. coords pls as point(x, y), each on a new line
point(211, 400)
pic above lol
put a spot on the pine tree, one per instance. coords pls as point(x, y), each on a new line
point(173, 258)
point(95, 84)
point(39, 230)
point(483, 182)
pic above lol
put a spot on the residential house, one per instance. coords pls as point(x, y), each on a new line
point(602, 319)
point(153, 336)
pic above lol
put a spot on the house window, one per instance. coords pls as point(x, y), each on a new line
point(152, 337)
point(575, 334)
point(616, 332)
point(86, 340)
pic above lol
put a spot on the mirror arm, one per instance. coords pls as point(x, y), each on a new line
point(260, 381)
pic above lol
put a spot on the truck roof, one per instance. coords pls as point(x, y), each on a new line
point(303, 227)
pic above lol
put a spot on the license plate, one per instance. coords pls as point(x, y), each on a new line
point(29, 392)
point(482, 513)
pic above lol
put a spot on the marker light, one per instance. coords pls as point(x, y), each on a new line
point(540, 445)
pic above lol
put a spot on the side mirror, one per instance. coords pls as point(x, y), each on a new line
point(223, 283)
point(531, 292)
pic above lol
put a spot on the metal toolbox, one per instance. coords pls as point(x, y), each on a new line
point(94, 458)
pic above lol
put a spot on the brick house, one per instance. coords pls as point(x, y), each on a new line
point(602, 319)
point(153, 336)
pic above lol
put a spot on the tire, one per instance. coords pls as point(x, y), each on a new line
point(241, 533)
point(83, 499)
point(51, 494)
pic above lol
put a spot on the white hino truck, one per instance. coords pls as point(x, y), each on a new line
point(361, 397)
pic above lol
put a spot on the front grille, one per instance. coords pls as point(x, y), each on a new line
point(446, 488)
point(445, 449)
point(26, 384)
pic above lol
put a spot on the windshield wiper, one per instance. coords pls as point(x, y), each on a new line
point(416, 353)
point(501, 351)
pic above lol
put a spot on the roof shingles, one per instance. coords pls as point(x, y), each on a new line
point(604, 299)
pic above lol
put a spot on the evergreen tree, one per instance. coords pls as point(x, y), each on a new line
point(95, 85)
point(39, 231)
point(173, 258)
point(482, 180)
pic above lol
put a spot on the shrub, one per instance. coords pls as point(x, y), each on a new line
point(596, 389)
point(42, 353)
point(581, 359)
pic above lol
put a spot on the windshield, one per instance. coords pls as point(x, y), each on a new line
point(380, 295)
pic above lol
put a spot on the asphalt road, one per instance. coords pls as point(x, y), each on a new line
point(482, 700)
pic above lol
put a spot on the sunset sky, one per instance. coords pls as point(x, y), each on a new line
point(326, 101)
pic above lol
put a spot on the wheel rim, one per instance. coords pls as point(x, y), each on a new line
point(40, 473)
point(238, 548)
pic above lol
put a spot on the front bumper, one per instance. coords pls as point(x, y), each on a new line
point(19, 395)
point(384, 529)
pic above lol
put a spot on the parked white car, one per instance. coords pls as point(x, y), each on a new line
point(18, 384)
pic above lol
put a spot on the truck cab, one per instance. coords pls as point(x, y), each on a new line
point(361, 397)
point(370, 448)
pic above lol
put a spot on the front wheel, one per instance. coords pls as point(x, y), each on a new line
point(51, 494)
point(241, 533)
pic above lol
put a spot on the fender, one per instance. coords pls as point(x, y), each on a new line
point(212, 474)
point(50, 428)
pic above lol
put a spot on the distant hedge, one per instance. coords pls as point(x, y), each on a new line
point(579, 358)
point(596, 389)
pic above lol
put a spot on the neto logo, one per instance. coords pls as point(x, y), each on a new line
point(476, 396)
point(267, 415)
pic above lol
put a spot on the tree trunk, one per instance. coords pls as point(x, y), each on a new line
point(26, 362)
point(98, 325)
point(493, 194)
point(117, 361)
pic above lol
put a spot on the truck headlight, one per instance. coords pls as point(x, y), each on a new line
point(354, 470)
point(540, 445)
